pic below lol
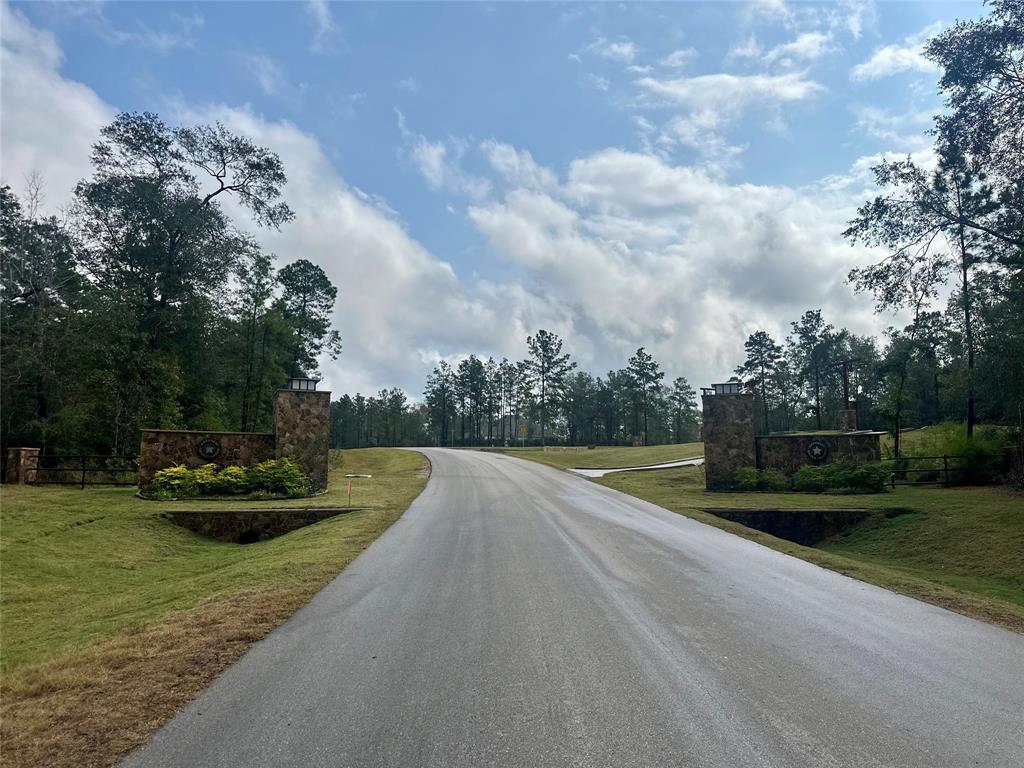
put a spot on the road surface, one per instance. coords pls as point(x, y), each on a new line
point(521, 616)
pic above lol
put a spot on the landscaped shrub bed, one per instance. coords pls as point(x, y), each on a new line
point(271, 478)
point(834, 478)
point(750, 479)
point(842, 478)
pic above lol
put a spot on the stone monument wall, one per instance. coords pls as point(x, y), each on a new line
point(163, 448)
point(790, 452)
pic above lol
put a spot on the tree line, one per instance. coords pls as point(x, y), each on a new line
point(541, 400)
point(143, 305)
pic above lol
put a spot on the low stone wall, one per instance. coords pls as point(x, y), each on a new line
point(790, 452)
point(162, 448)
point(247, 526)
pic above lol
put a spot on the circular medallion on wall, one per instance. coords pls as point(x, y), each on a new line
point(208, 449)
point(817, 451)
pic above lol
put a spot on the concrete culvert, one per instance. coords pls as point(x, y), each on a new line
point(248, 537)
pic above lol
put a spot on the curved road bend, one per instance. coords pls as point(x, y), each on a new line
point(521, 616)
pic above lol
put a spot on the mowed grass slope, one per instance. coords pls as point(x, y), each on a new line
point(607, 456)
point(112, 617)
point(961, 548)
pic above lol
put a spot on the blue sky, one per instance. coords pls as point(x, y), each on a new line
point(668, 175)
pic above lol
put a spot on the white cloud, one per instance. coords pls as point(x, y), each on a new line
point(712, 103)
point(267, 73)
point(679, 58)
point(747, 49)
point(776, 11)
point(440, 167)
point(637, 250)
point(901, 57)
point(408, 84)
point(901, 131)
point(182, 35)
point(517, 167)
point(855, 16)
point(623, 50)
point(729, 92)
point(48, 123)
point(807, 46)
point(601, 83)
point(325, 29)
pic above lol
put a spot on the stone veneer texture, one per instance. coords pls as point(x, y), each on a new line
point(728, 438)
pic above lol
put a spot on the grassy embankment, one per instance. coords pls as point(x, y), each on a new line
point(603, 457)
point(113, 618)
point(961, 548)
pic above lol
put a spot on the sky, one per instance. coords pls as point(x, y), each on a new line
point(673, 176)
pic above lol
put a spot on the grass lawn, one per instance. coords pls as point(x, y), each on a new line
point(113, 618)
point(961, 548)
point(603, 457)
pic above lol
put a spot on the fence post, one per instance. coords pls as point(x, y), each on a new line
point(83, 471)
point(945, 467)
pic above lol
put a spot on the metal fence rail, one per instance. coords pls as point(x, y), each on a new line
point(942, 470)
point(84, 469)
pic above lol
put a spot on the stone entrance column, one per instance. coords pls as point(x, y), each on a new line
point(302, 421)
point(728, 435)
point(22, 464)
point(848, 417)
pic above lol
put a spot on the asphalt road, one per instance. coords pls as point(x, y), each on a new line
point(521, 616)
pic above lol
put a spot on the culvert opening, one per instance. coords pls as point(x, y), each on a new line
point(248, 537)
point(248, 526)
point(802, 526)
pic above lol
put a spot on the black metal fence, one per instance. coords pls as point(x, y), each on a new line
point(86, 469)
point(927, 470)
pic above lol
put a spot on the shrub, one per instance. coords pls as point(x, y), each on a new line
point(278, 477)
point(205, 479)
point(232, 480)
point(746, 479)
point(275, 477)
point(773, 480)
point(812, 479)
point(841, 477)
point(176, 481)
point(869, 477)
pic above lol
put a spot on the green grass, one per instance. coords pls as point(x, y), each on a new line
point(962, 548)
point(601, 456)
point(78, 566)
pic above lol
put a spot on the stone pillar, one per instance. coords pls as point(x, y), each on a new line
point(22, 464)
point(728, 438)
point(302, 422)
point(848, 418)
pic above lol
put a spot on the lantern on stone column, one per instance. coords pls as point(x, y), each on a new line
point(302, 384)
